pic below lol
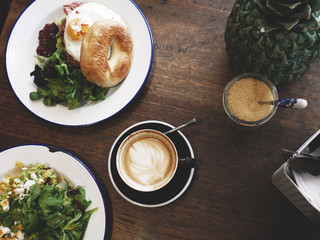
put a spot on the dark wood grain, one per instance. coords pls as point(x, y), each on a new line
point(231, 195)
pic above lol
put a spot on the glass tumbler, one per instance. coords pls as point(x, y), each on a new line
point(241, 122)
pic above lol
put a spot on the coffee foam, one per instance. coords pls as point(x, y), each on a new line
point(149, 160)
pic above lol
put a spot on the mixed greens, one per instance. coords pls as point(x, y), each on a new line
point(59, 83)
point(41, 207)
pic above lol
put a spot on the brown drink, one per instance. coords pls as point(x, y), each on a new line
point(147, 160)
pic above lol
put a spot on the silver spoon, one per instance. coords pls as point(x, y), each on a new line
point(193, 120)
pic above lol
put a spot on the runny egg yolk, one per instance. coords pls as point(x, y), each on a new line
point(4, 203)
point(76, 30)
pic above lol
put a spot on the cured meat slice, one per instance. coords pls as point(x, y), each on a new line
point(69, 7)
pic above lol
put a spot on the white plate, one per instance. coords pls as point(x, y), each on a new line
point(68, 166)
point(309, 186)
point(20, 61)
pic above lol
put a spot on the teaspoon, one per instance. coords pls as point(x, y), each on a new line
point(193, 120)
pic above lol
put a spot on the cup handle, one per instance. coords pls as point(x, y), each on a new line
point(187, 162)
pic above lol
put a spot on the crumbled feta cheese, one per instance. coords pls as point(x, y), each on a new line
point(34, 176)
point(17, 180)
point(40, 181)
point(28, 184)
point(19, 235)
point(18, 191)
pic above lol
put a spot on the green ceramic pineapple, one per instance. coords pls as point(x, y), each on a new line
point(277, 38)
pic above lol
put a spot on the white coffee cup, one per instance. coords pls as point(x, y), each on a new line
point(147, 160)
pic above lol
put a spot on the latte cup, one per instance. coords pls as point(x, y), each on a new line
point(147, 160)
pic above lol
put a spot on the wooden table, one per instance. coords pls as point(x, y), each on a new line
point(231, 195)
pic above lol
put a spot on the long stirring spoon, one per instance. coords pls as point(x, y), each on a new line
point(297, 103)
point(193, 120)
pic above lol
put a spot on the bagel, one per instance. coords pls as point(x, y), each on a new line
point(106, 53)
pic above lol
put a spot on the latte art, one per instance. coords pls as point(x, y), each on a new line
point(147, 160)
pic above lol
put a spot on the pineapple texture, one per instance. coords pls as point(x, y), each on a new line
point(279, 39)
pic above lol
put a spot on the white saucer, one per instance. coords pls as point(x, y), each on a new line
point(172, 191)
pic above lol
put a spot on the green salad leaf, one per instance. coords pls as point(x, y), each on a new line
point(60, 84)
point(48, 211)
